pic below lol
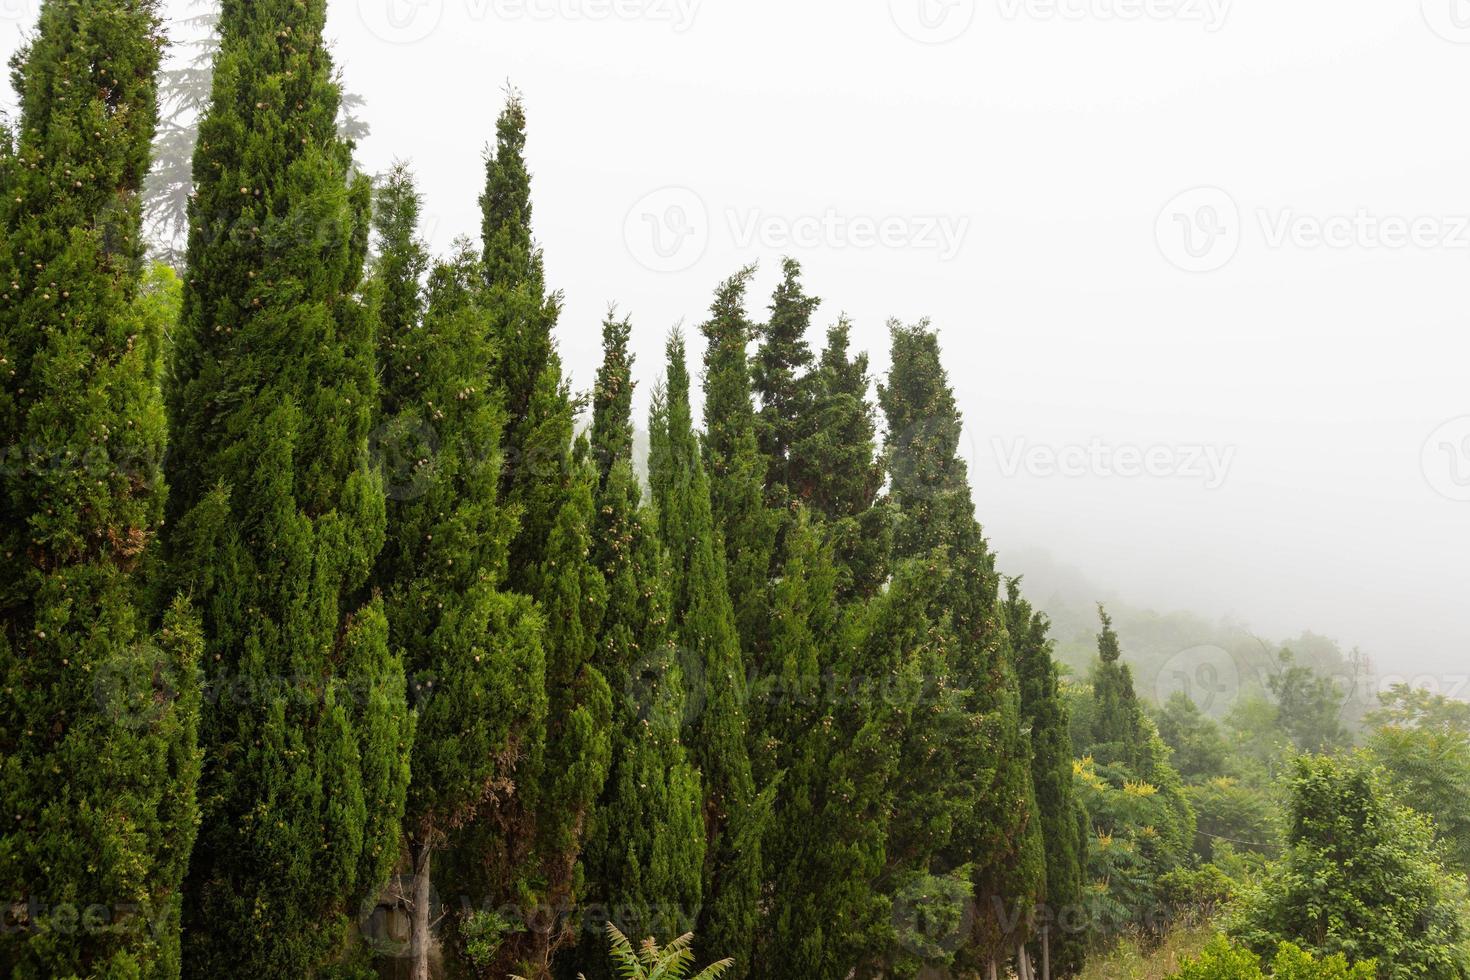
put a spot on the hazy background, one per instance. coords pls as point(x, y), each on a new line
point(1058, 137)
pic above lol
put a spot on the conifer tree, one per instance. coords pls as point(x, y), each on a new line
point(733, 460)
point(1063, 823)
point(472, 649)
point(782, 380)
point(714, 671)
point(645, 843)
point(989, 821)
point(99, 700)
point(833, 466)
point(277, 516)
point(550, 557)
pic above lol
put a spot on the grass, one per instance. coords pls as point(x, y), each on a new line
point(1130, 961)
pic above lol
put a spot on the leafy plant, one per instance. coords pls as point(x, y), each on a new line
point(649, 962)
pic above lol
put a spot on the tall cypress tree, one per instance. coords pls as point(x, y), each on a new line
point(550, 557)
point(98, 702)
point(782, 381)
point(1063, 824)
point(472, 649)
point(645, 844)
point(714, 669)
point(991, 826)
point(278, 515)
point(733, 460)
point(833, 466)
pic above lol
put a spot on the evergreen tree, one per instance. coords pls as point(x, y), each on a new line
point(1142, 821)
point(733, 461)
point(538, 441)
point(645, 843)
point(782, 381)
point(549, 560)
point(472, 649)
point(985, 819)
point(1063, 823)
point(1361, 878)
point(99, 701)
point(834, 468)
point(714, 670)
point(277, 516)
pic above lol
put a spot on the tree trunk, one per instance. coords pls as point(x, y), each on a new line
point(419, 940)
point(1046, 953)
point(990, 971)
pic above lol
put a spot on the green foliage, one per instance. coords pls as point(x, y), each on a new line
point(1223, 961)
point(833, 468)
point(473, 650)
point(645, 844)
point(734, 464)
point(277, 516)
point(1422, 741)
point(99, 689)
point(1360, 878)
point(782, 380)
point(1309, 707)
point(966, 797)
point(1044, 715)
point(1236, 814)
point(650, 962)
point(1143, 825)
point(1200, 751)
point(714, 670)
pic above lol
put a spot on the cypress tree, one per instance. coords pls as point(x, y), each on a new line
point(713, 666)
point(550, 559)
point(99, 700)
point(645, 843)
point(834, 468)
point(987, 820)
point(472, 649)
point(733, 460)
point(278, 516)
point(781, 379)
point(538, 438)
point(1044, 715)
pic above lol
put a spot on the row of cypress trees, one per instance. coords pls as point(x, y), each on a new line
point(386, 604)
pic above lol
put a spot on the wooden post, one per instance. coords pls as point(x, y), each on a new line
point(419, 940)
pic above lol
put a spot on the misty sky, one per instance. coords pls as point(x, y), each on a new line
point(1200, 267)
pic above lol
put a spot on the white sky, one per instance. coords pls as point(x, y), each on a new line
point(1054, 135)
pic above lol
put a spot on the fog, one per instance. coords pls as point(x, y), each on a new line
point(1199, 266)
